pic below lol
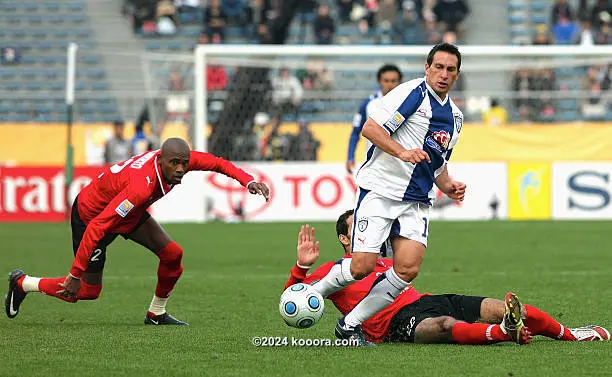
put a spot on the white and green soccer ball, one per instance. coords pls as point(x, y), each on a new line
point(301, 306)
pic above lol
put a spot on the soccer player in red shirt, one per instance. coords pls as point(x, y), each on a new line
point(115, 203)
point(414, 317)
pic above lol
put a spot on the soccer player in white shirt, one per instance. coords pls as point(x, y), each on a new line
point(413, 131)
point(388, 77)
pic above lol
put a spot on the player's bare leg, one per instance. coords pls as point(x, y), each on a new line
point(450, 330)
point(152, 236)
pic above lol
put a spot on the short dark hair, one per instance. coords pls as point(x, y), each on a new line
point(341, 225)
point(388, 68)
point(446, 47)
point(494, 102)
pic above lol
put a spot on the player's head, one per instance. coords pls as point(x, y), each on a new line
point(442, 68)
point(173, 160)
point(388, 77)
point(344, 226)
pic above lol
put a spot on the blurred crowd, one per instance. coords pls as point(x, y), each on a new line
point(587, 24)
point(386, 21)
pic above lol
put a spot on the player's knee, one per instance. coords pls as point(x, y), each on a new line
point(406, 272)
point(171, 255)
point(446, 324)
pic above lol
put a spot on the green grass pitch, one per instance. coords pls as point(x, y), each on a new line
point(234, 274)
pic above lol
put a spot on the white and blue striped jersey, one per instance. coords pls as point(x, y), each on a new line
point(358, 121)
point(415, 117)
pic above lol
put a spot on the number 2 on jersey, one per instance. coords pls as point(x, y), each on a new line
point(120, 166)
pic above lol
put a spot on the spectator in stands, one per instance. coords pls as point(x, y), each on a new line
point(167, 17)
point(176, 81)
point(304, 146)
point(216, 77)
point(522, 84)
point(583, 13)
point(604, 37)
point(187, 6)
point(601, 13)
point(344, 9)
point(305, 14)
point(277, 145)
point(10, 56)
point(408, 25)
point(451, 13)
point(544, 81)
point(585, 37)
point(235, 11)
point(542, 37)
point(287, 93)
point(561, 10)
point(496, 116)
point(142, 13)
point(215, 21)
point(324, 26)
point(593, 106)
point(565, 31)
point(117, 148)
point(385, 18)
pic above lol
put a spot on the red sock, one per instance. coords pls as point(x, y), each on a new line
point(478, 333)
point(169, 270)
point(541, 323)
point(50, 287)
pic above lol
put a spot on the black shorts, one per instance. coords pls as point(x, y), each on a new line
point(98, 256)
point(404, 323)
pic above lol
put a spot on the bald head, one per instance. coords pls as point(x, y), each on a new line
point(174, 160)
point(175, 146)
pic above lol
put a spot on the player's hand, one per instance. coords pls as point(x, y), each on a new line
point(259, 188)
point(414, 155)
point(71, 287)
point(457, 190)
point(350, 165)
point(307, 248)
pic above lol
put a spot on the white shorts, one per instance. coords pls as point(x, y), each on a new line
point(377, 218)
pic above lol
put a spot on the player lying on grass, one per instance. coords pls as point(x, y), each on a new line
point(414, 317)
point(115, 203)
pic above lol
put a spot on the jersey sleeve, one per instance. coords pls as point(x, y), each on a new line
point(397, 105)
point(299, 275)
point(358, 120)
point(133, 196)
point(208, 162)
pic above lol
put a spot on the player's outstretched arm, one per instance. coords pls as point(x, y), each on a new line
point(453, 189)
point(203, 161)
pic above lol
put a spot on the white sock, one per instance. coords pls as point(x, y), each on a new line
point(158, 305)
point(337, 278)
point(383, 292)
point(30, 284)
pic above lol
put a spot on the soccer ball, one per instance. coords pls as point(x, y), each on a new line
point(301, 306)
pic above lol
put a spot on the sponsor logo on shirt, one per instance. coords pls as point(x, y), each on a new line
point(438, 140)
point(124, 208)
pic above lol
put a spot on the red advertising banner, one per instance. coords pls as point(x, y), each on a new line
point(38, 193)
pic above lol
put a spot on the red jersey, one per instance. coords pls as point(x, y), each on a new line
point(115, 201)
point(375, 328)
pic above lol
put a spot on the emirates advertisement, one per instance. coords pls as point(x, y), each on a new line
point(38, 193)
